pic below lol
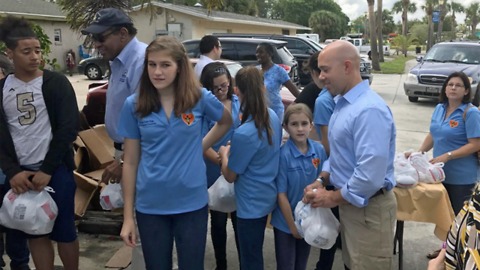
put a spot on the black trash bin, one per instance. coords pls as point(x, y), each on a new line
point(418, 49)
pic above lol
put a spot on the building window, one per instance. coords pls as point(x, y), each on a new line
point(285, 32)
point(57, 35)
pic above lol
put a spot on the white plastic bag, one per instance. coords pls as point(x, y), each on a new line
point(427, 172)
point(318, 226)
point(32, 212)
point(111, 197)
point(221, 196)
point(406, 175)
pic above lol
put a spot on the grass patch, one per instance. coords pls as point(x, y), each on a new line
point(395, 66)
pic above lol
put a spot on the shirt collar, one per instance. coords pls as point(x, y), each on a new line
point(461, 107)
point(205, 58)
point(356, 91)
point(296, 153)
point(127, 51)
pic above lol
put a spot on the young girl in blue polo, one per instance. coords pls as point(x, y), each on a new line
point(216, 78)
point(251, 161)
point(301, 161)
point(164, 173)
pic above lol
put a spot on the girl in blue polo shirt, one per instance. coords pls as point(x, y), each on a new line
point(251, 161)
point(164, 173)
point(216, 78)
point(301, 161)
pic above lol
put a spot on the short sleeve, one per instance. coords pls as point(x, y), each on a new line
point(282, 179)
point(213, 108)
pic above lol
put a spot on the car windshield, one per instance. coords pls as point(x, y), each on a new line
point(465, 54)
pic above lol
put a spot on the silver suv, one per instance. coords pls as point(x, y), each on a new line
point(425, 80)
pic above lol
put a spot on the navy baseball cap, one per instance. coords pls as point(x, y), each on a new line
point(105, 19)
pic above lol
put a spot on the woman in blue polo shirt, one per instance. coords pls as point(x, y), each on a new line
point(275, 77)
point(251, 161)
point(164, 173)
point(216, 78)
point(301, 161)
point(455, 138)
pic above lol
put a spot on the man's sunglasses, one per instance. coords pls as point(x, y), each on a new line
point(101, 37)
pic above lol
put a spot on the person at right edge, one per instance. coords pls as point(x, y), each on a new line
point(455, 138)
point(362, 148)
point(114, 36)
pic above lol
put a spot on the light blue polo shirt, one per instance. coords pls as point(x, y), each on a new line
point(452, 133)
point(273, 79)
point(126, 70)
point(297, 170)
point(324, 105)
point(171, 175)
point(256, 164)
point(213, 170)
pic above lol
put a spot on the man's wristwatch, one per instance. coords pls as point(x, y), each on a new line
point(321, 180)
point(449, 155)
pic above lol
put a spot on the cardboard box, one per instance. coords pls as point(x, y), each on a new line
point(101, 131)
point(98, 151)
point(86, 189)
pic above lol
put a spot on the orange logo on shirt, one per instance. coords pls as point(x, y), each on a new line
point(315, 162)
point(453, 123)
point(188, 118)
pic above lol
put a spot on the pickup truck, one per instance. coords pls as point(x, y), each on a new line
point(363, 47)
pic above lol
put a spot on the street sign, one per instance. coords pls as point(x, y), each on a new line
point(436, 16)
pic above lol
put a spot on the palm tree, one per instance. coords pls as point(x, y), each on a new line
point(455, 7)
point(373, 36)
point(428, 7)
point(443, 13)
point(379, 30)
point(473, 17)
point(405, 7)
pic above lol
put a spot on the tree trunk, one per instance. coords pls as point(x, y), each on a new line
point(380, 30)
point(440, 23)
point(430, 32)
point(373, 36)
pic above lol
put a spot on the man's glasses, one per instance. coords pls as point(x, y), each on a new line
point(223, 86)
point(102, 36)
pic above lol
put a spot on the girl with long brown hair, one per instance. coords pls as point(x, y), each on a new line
point(251, 161)
point(164, 173)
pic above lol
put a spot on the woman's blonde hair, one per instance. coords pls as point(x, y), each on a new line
point(297, 108)
point(186, 85)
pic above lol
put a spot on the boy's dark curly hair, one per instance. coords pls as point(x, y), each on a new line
point(13, 29)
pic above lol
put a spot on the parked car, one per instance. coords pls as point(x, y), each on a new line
point(95, 68)
point(94, 109)
point(425, 80)
point(243, 50)
point(302, 48)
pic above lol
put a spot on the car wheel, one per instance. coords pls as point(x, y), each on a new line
point(412, 99)
point(93, 72)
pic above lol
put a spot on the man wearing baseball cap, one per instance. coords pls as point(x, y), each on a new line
point(113, 34)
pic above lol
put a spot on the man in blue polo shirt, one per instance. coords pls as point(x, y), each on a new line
point(114, 36)
point(362, 149)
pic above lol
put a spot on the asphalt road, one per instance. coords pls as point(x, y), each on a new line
point(412, 123)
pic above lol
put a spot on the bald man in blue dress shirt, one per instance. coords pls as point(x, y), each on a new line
point(362, 148)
